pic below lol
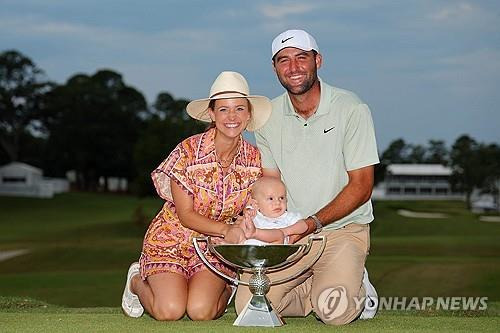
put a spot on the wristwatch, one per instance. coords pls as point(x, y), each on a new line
point(317, 223)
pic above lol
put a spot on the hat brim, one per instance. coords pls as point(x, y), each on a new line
point(261, 109)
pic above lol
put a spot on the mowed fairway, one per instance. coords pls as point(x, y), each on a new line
point(80, 246)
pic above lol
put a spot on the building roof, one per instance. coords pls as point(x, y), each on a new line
point(17, 166)
point(419, 169)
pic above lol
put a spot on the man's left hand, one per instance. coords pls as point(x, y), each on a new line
point(311, 226)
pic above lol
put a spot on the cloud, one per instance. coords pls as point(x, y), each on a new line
point(285, 9)
point(471, 75)
point(31, 25)
point(453, 12)
point(111, 38)
point(467, 16)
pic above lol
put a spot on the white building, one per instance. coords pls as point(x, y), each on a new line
point(416, 182)
point(20, 179)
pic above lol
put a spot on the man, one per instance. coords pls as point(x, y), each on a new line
point(321, 141)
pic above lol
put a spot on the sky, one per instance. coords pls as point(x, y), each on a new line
point(429, 70)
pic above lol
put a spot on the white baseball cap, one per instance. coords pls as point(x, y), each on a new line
point(294, 38)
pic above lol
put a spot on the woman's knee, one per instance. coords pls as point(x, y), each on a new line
point(168, 311)
point(198, 310)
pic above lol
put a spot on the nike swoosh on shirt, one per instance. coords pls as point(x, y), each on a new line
point(328, 130)
point(284, 40)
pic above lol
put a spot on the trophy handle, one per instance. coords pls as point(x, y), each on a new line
point(301, 271)
point(206, 262)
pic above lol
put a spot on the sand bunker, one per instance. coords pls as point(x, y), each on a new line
point(5, 255)
point(422, 215)
point(489, 218)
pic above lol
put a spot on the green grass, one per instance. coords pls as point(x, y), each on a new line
point(81, 245)
point(42, 317)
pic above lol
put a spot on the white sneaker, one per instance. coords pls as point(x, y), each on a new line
point(371, 300)
point(131, 305)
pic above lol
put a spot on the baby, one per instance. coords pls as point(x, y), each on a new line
point(272, 222)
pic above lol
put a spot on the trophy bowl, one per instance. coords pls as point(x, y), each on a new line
point(253, 256)
point(259, 260)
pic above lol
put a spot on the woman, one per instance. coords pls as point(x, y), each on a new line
point(205, 181)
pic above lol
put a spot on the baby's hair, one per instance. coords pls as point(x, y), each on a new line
point(261, 182)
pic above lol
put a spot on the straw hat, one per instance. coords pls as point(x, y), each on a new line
point(232, 85)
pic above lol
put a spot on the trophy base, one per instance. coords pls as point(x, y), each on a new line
point(259, 312)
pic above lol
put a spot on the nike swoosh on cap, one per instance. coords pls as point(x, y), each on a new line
point(284, 40)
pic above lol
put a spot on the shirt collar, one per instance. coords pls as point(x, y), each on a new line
point(323, 101)
point(271, 219)
point(206, 147)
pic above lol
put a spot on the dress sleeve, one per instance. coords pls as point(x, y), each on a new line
point(174, 167)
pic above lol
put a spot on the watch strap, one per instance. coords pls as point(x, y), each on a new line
point(318, 224)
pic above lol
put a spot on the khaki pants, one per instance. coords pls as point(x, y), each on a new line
point(341, 267)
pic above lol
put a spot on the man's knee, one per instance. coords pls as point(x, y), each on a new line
point(337, 305)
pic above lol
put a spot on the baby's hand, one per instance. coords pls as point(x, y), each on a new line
point(250, 212)
point(248, 227)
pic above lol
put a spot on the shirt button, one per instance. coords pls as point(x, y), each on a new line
point(305, 125)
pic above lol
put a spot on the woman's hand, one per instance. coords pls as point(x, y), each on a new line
point(234, 235)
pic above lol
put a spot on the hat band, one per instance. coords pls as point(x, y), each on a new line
point(228, 92)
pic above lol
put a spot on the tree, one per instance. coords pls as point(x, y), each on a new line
point(489, 162)
point(22, 87)
point(93, 124)
point(416, 154)
point(466, 167)
point(437, 153)
point(397, 152)
point(167, 125)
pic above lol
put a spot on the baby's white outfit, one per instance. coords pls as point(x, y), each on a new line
point(263, 222)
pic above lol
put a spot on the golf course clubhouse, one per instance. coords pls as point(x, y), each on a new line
point(417, 181)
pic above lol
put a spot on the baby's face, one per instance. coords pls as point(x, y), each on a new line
point(271, 199)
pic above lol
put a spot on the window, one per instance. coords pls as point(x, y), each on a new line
point(410, 190)
point(14, 179)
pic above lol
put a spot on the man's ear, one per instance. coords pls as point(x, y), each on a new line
point(319, 60)
point(272, 64)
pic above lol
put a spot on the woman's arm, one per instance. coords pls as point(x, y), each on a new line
point(197, 222)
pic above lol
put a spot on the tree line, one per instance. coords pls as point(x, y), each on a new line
point(99, 126)
point(96, 125)
point(475, 165)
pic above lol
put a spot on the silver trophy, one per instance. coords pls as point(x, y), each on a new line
point(259, 260)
